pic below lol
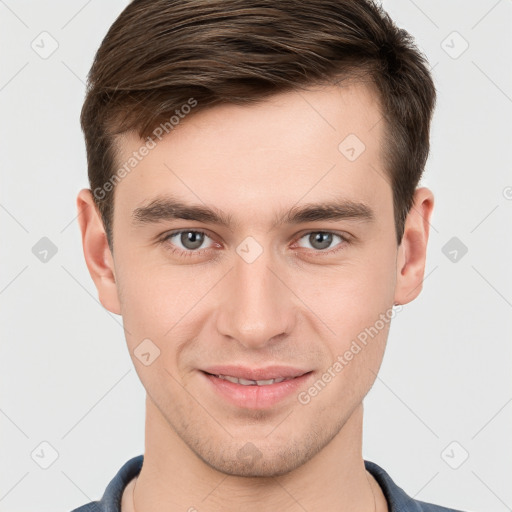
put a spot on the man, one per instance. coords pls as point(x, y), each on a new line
point(254, 214)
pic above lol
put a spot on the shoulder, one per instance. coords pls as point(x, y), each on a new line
point(398, 500)
point(111, 499)
point(93, 506)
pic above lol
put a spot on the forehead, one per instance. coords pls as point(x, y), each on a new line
point(296, 145)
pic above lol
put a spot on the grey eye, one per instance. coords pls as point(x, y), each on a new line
point(320, 240)
point(191, 239)
point(187, 241)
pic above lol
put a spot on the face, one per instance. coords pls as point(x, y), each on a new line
point(250, 243)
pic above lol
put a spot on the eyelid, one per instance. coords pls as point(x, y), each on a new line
point(170, 234)
point(345, 239)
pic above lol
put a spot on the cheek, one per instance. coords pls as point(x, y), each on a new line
point(151, 308)
point(351, 296)
point(161, 302)
point(358, 307)
point(150, 301)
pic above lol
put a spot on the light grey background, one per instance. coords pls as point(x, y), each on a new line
point(66, 376)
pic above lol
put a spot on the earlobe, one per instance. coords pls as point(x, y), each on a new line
point(412, 251)
point(97, 253)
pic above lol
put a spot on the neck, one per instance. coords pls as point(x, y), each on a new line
point(174, 478)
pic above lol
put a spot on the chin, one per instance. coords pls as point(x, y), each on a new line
point(254, 460)
point(253, 469)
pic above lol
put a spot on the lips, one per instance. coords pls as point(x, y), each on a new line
point(255, 388)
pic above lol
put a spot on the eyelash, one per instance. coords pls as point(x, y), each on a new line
point(192, 253)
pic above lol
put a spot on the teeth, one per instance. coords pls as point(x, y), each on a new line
point(264, 382)
point(247, 382)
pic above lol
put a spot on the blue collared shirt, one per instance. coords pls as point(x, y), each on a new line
point(397, 500)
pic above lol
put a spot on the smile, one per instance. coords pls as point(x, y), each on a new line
point(259, 393)
point(248, 382)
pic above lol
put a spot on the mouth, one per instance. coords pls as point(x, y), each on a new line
point(253, 389)
point(250, 382)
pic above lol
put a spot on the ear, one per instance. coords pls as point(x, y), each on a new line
point(412, 251)
point(97, 253)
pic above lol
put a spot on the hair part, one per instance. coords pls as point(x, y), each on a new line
point(159, 54)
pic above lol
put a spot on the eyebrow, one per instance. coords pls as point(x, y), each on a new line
point(166, 208)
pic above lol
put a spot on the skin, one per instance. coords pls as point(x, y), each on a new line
point(294, 305)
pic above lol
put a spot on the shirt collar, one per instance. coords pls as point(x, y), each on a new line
point(398, 500)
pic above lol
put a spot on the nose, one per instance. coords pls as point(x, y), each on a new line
point(256, 306)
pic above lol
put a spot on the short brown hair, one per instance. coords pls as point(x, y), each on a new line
point(159, 54)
